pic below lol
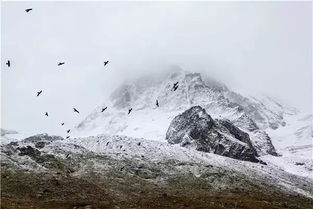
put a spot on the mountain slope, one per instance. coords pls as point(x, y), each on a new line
point(122, 172)
point(148, 121)
point(104, 154)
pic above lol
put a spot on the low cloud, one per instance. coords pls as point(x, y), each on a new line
point(251, 46)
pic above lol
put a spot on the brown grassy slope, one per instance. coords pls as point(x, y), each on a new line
point(25, 190)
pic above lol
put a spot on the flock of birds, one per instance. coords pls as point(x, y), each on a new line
point(8, 63)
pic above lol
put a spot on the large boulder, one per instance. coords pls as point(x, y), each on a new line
point(196, 128)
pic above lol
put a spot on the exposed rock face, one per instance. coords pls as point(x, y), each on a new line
point(42, 138)
point(195, 127)
point(29, 150)
point(261, 139)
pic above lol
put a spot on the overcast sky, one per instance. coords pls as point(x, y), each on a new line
point(252, 47)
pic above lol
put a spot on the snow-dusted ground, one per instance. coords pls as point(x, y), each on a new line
point(295, 139)
point(150, 124)
point(294, 143)
point(151, 152)
point(295, 150)
point(157, 151)
point(282, 171)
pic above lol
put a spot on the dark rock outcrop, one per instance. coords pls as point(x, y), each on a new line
point(42, 138)
point(196, 128)
point(29, 151)
point(40, 145)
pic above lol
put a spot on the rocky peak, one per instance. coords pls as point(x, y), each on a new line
point(198, 113)
point(194, 78)
point(195, 128)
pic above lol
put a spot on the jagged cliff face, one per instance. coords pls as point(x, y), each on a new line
point(196, 128)
point(146, 120)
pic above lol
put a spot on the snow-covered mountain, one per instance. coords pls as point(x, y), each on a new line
point(197, 142)
point(252, 115)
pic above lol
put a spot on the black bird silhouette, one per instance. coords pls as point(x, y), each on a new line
point(61, 63)
point(68, 137)
point(68, 153)
point(130, 110)
point(8, 63)
point(28, 10)
point(75, 110)
point(104, 109)
point(47, 114)
point(39, 92)
point(175, 86)
point(68, 131)
point(157, 103)
point(105, 63)
point(62, 124)
point(107, 143)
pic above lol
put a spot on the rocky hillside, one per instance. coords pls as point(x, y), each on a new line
point(120, 172)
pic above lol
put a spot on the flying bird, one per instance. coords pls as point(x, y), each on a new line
point(130, 110)
point(62, 124)
point(8, 63)
point(175, 86)
point(47, 114)
point(39, 92)
point(106, 62)
point(28, 10)
point(68, 137)
point(157, 103)
point(61, 63)
point(104, 109)
point(68, 131)
point(75, 110)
